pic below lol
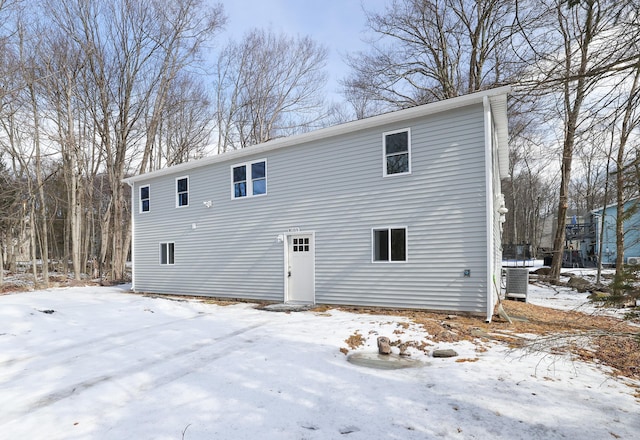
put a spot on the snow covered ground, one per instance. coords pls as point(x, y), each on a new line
point(100, 363)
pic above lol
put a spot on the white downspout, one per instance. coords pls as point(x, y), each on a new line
point(133, 238)
point(488, 161)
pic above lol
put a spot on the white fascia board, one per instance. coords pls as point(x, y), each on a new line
point(497, 95)
point(501, 124)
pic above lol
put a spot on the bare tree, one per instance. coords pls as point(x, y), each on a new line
point(8, 203)
point(185, 126)
point(268, 86)
point(62, 62)
point(630, 121)
point(428, 50)
point(134, 50)
point(587, 183)
point(572, 46)
point(182, 28)
point(529, 189)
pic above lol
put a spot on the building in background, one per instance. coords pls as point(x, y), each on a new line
point(631, 228)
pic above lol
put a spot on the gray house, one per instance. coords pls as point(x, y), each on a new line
point(398, 210)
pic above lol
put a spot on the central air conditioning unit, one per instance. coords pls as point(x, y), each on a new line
point(633, 261)
point(517, 284)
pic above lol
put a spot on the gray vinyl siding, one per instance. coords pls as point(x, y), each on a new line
point(335, 188)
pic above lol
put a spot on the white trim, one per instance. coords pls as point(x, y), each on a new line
point(285, 272)
point(249, 179)
point(160, 253)
point(497, 94)
point(406, 244)
point(148, 186)
point(384, 151)
point(489, 214)
point(177, 193)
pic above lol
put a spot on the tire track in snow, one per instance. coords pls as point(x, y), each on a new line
point(193, 364)
point(95, 341)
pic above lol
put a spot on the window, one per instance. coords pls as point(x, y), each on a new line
point(390, 244)
point(144, 198)
point(259, 178)
point(167, 253)
point(397, 152)
point(240, 181)
point(249, 179)
point(300, 245)
point(182, 191)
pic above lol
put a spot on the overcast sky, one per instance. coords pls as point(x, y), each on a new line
point(337, 24)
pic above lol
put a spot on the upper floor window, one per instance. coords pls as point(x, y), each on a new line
point(397, 152)
point(249, 179)
point(182, 191)
point(144, 198)
point(389, 244)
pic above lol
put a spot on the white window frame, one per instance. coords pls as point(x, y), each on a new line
point(389, 260)
point(178, 205)
point(167, 243)
point(140, 199)
point(249, 179)
point(384, 152)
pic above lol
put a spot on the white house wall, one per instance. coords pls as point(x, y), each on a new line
point(335, 188)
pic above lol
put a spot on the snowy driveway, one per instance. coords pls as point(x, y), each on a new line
point(84, 363)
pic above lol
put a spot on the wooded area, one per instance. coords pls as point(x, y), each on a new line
point(92, 91)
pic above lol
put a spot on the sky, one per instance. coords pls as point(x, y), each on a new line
point(101, 363)
point(337, 24)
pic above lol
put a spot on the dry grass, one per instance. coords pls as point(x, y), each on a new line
point(607, 340)
point(355, 340)
point(23, 282)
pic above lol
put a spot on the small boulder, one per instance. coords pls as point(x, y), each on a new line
point(444, 353)
point(580, 284)
point(543, 271)
point(384, 345)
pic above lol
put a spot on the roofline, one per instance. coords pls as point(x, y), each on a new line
point(614, 205)
point(498, 94)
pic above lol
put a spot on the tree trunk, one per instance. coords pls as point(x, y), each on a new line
point(42, 211)
point(572, 104)
point(32, 245)
point(604, 211)
point(1, 266)
point(628, 125)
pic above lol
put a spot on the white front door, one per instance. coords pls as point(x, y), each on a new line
point(301, 268)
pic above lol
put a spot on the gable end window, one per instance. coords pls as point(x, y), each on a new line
point(396, 147)
point(249, 179)
point(167, 253)
point(182, 191)
point(145, 199)
point(389, 244)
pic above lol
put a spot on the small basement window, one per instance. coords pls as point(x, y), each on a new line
point(167, 253)
point(397, 152)
point(144, 198)
point(389, 244)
